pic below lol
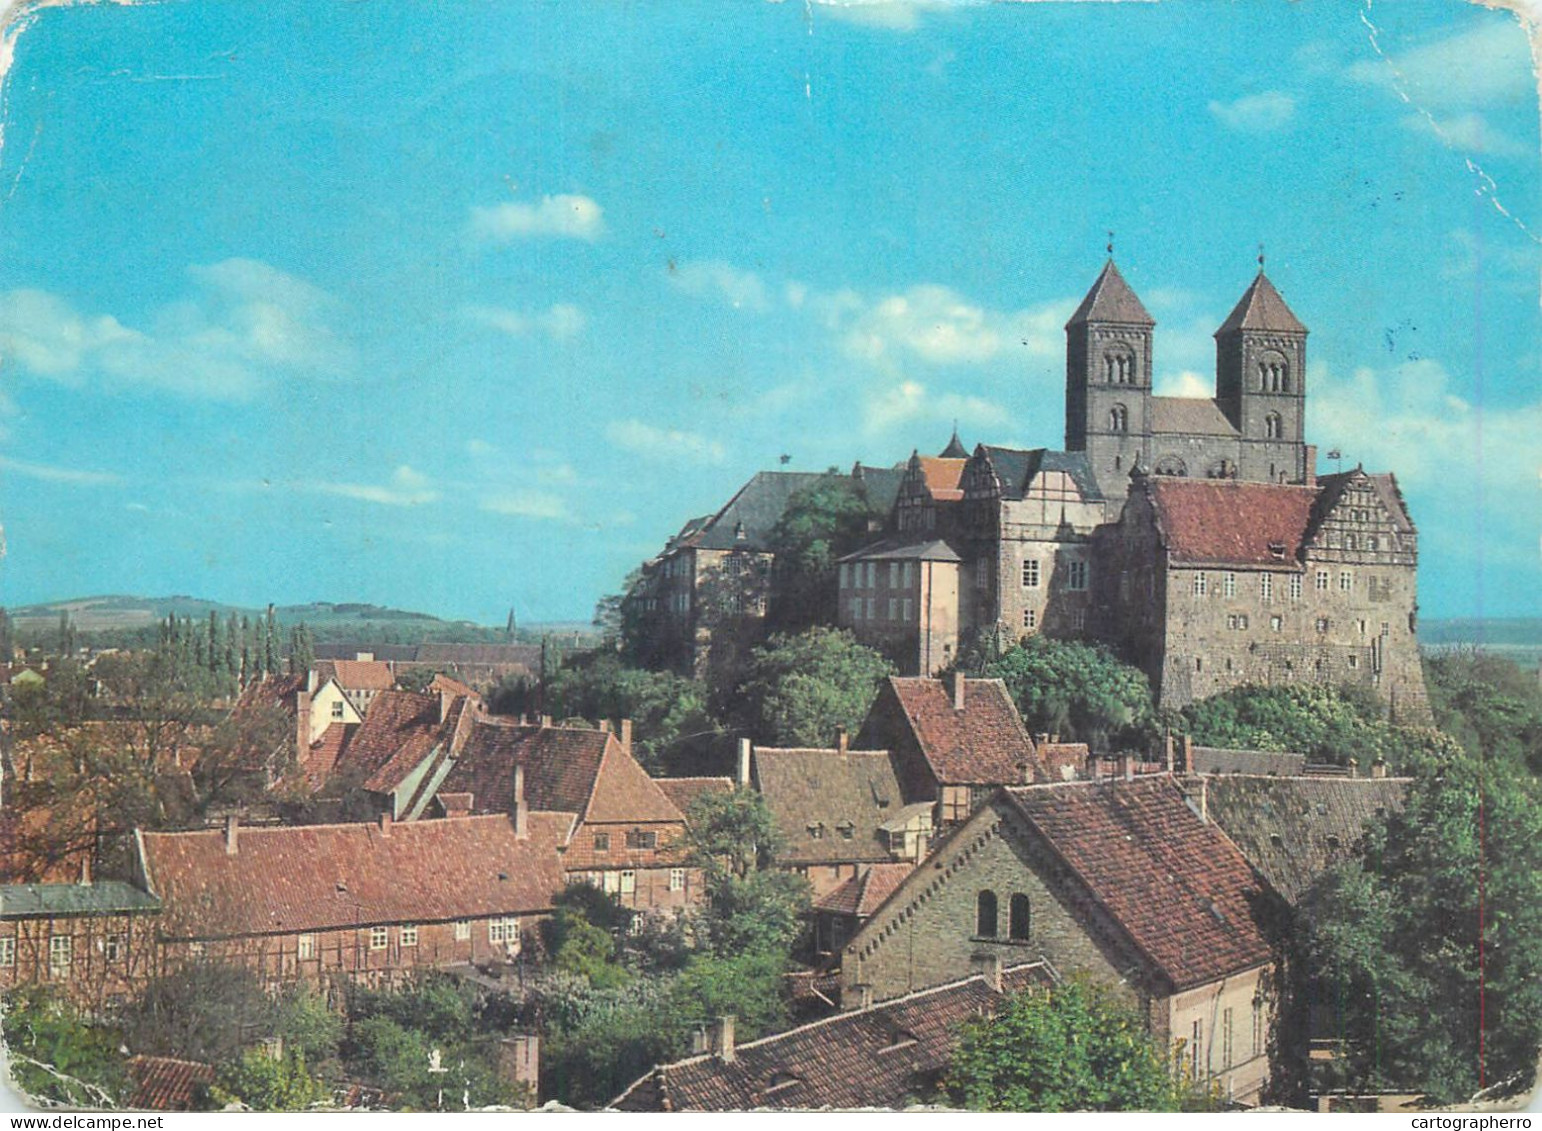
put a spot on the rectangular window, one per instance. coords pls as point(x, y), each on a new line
point(7, 952)
point(462, 930)
point(1031, 574)
point(909, 609)
point(982, 573)
point(505, 930)
point(602, 842)
point(305, 946)
point(1201, 584)
point(872, 572)
point(1078, 619)
point(1258, 1027)
point(1363, 626)
point(378, 937)
point(1322, 624)
point(894, 575)
point(1030, 618)
point(60, 953)
point(628, 883)
point(845, 575)
point(1386, 628)
point(1226, 1037)
point(1266, 587)
point(1346, 581)
point(1276, 623)
point(955, 802)
point(1322, 581)
point(113, 948)
point(409, 934)
point(1295, 587)
point(337, 710)
point(1229, 585)
point(869, 608)
point(856, 609)
point(677, 879)
point(905, 574)
point(1076, 575)
point(1197, 1033)
point(894, 608)
point(642, 838)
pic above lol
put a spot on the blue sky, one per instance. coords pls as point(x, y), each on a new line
point(462, 306)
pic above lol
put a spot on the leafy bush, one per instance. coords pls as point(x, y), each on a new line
point(56, 1054)
point(266, 1083)
point(800, 689)
point(1080, 691)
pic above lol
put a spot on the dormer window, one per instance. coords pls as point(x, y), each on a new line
point(816, 831)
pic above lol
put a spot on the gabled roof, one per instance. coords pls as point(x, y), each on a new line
point(400, 730)
point(1230, 522)
point(1261, 308)
point(1174, 884)
point(862, 894)
point(906, 549)
point(1332, 488)
point(1111, 300)
point(881, 486)
point(884, 1056)
point(1015, 468)
point(943, 477)
point(105, 897)
point(527, 654)
point(275, 691)
point(984, 744)
point(567, 769)
point(164, 1083)
point(1291, 829)
point(753, 512)
point(321, 877)
point(829, 804)
point(1189, 416)
point(357, 675)
point(321, 761)
point(684, 791)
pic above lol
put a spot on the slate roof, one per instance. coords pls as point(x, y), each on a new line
point(321, 877)
point(881, 486)
point(357, 675)
point(1230, 522)
point(1218, 760)
point(1178, 888)
point(105, 897)
point(906, 549)
point(884, 1056)
point(527, 654)
point(684, 791)
point(1111, 300)
point(828, 805)
point(1016, 467)
point(1283, 825)
point(984, 744)
point(955, 448)
point(1261, 308)
point(756, 507)
point(862, 894)
point(567, 769)
point(164, 1083)
point(1190, 416)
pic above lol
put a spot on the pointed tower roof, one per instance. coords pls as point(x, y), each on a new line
point(1111, 300)
point(1261, 308)
point(955, 449)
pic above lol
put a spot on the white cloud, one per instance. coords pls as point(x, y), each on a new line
point(558, 322)
point(1470, 132)
point(1185, 383)
point(910, 400)
point(1256, 113)
point(940, 326)
point(66, 475)
point(563, 216)
point(712, 278)
point(526, 504)
point(405, 488)
point(1487, 65)
point(664, 443)
point(243, 324)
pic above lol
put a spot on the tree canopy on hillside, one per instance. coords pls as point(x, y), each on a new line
point(1080, 691)
point(800, 689)
point(820, 524)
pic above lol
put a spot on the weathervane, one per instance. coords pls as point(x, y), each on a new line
point(1260, 259)
point(1110, 245)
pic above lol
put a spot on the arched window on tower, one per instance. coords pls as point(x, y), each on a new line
point(985, 915)
point(1018, 918)
point(1119, 368)
point(1273, 374)
point(1119, 419)
point(1274, 427)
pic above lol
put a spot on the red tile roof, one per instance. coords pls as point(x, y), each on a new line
point(863, 893)
point(326, 752)
point(684, 791)
point(944, 477)
point(399, 727)
point(163, 1083)
point(985, 743)
point(275, 691)
point(884, 1056)
point(1176, 885)
point(1229, 522)
point(357, 675)
point(320, 877)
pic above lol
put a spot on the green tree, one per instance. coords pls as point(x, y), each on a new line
point(1071, 1047)
point(1488, 704)
point(1429, 952)
point(267, 1083)
point(57, 1054)
point(801, 689)
point(750, 905)
point(587, 950)
point(672, 727)
point(1082, 691)
point(820, 524)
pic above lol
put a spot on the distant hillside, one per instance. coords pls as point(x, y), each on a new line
point(1519, 638)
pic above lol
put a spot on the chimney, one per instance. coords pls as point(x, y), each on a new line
point(1354, 767)
point(385, 822)
point(310, 680)
point(1311, 465)
point(744, 763)
point(699, 1042)
point(987, 966)
point(521, 810)
point(545, 721)
point(841, 740)
point(1041, 739)
point(722, 1038)
point(626, 736)
point(85, 869)
point(1379, 768)
point(604, 725)
point(302, 725)
point(1204, 798)
point(232, 834)
point(1188, 753)
point(1124, 765)
point(519, 1059)
point(958, 689)
point(1167, 750)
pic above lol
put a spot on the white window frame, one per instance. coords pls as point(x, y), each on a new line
point(1076, 572)
point(408, 934)
point(305, 947)
point(1346, 581)
point(462, 930)
point(677, 879)
point(503, 930)
point(1322, 581)
point(1030, 573)
point(628, 882)
point(113, 948)
point(1201, 584)
point(61, 955)
point(379, 938)
point(1295, 587)
point(1266, 587)
point(7, 951)
point(1229, 584)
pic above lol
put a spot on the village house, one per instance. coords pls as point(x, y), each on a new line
point(93, 942)
point(1121, 880)
point(373, 901)
point(884, 1056)
point(359, 680)
point(840, 911)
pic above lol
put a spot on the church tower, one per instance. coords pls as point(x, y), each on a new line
point(1108, 380)
point(1260, 383)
